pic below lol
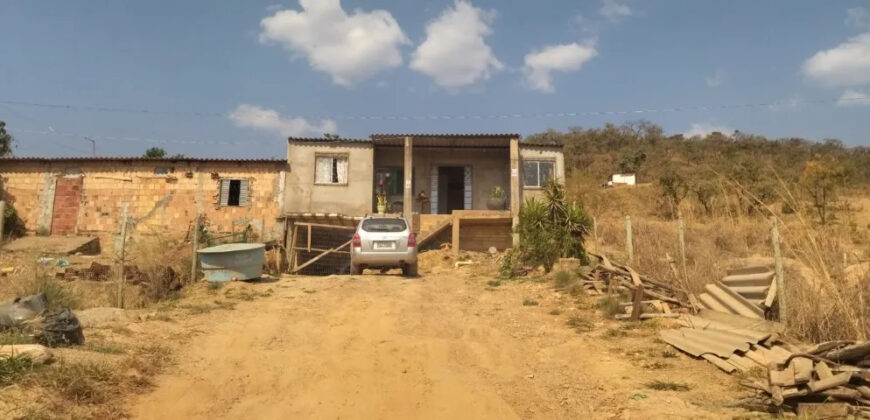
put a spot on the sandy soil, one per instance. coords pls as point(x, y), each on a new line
point(444, 345)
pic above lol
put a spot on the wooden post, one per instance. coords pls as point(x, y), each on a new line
point(516, 193)
point(309, 238)
point(2, 219)
point(629, 245)
point(197, 226)
point(407, 200)
point(777, 264)
point(681, 231)
point(455, 235)
point(294, 256)
point(123, 258)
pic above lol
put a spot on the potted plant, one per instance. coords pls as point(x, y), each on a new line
point(382, 203)
point(496, 199)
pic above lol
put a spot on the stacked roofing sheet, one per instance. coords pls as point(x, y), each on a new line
point(742, 292)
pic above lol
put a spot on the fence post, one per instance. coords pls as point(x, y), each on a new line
point(121, 276)
point(777, 264)
point(197, 226)
point(629, 245)
point(2, 219)
point(681, 229)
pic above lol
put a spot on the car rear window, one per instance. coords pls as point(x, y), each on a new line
point(384, 225)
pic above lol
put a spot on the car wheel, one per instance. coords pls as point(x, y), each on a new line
point(410, 270)
point(355, 270)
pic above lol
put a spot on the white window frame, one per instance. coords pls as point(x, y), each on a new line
point(538, 163)
point(335, 157)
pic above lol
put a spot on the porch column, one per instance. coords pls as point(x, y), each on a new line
point(516, 198)
point(407, 201)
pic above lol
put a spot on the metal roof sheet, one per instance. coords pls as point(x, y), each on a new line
point(137, 159)
point(447, 135)
point(327, 140)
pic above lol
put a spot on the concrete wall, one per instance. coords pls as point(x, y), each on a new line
point(157, 203)
point(490, 168)
point(530, 152)
point(303, 196)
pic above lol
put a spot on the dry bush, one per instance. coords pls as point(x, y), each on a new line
point(163, 264)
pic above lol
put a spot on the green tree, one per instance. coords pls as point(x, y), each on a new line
point(820, 178)
point(6, 141)
point(155, 152)
point(673, 189)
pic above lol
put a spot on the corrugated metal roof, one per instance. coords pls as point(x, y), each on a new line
point(137, 159)
point(327, 140)
point(447, 135)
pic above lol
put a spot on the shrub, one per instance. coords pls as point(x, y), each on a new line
point(564, 280)
point(551, 228)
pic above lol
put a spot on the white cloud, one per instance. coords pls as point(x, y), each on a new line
point(704, 129)
point(858, 17)
point(454, 52)
point(252, 116)
point(614, 10)
point(565, 58)
point(854, 98)
point(847, 64)
point(716, 79)
point(349, 47)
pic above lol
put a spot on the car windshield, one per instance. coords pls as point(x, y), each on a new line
point(384, 225)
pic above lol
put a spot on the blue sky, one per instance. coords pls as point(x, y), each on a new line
point(233, 79)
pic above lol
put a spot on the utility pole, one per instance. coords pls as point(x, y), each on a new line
point(93, 145)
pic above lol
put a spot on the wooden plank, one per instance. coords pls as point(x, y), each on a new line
point(849, 353)
point(455, 235)
point(784, 377)
point(823, 371)
point(794, 391)
point(803, 369)
point(325, 226)
point(834, 381)
point(771, 296)
point(637, 308)
point(314, 249)
point(313, 260)
point(309, 238)
point(647, 316)
point(294, 258)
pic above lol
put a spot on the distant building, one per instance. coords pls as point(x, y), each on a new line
point(622, 179)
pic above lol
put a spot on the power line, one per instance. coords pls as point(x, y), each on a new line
point(460, 117)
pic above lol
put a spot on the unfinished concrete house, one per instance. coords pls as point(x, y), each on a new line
point(443, 184)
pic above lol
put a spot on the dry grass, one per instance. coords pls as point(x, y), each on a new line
point(828, 297)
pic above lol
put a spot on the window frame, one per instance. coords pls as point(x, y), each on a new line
point(242, 183)
point(334, 156)
point(538, 163)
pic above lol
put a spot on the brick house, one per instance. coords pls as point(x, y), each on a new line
point(63, 196)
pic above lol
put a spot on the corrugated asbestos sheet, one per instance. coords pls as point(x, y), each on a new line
point(704, 337)
point(742, 292)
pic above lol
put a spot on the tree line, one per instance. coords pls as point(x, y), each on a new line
point(695, 168)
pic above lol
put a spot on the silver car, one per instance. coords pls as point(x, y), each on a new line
point(384, 242)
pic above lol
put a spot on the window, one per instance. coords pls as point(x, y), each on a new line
point(330, 170)
point(161, 171)
point(390, 180)
point(536, 173)
point(382, 225)
point(235, 192)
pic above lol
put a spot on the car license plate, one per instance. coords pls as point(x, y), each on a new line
point(385, 245)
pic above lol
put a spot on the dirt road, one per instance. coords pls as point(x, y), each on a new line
point(442, 346)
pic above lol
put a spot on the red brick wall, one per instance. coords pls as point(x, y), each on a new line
point(67, 198)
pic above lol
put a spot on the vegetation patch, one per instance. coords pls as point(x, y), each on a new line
point(529, 302)
point(13, 368)
point(104, 347)
point(668, 386)
point(579, 324)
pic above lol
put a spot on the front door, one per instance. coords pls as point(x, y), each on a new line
point(451, 189)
